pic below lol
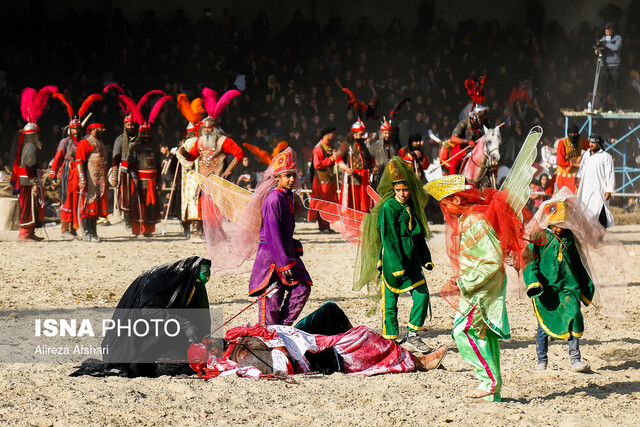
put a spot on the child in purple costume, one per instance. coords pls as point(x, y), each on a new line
point(278, 256)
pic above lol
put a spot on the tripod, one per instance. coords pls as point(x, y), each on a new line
point(599, 66)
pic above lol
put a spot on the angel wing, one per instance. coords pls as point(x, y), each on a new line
point(521, 173)
point(346, 221)
point(373, 194)
point(229, 198)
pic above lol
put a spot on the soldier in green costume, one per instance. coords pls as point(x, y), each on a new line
point(395, 234)
point(557, 282)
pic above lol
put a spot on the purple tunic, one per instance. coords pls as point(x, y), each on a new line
point(278, 250)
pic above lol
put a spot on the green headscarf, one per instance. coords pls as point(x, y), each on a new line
point(366, 268)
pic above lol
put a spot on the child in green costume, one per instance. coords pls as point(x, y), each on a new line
point(557, 282)
point(399, 245)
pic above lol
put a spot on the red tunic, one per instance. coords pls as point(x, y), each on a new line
point(96, 206)
point(354, 190)
point(145, 203)
point(229, 146)
point(324, 182)
point(565, 175)
point(62, 168)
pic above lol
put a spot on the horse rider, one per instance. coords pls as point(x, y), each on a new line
point(466, 133)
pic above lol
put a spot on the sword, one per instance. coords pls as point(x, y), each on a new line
point(41, 201)
point(81, 202)
point(353, 189)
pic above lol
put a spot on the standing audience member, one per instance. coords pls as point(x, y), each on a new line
point(596, 180)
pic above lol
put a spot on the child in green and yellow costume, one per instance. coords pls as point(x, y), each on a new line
point(394, 251)
point(557, 280)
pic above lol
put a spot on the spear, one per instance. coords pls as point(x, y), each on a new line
point(268, 293)
point(173, 187)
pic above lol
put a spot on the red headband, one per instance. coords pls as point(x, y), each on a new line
point(93, 126)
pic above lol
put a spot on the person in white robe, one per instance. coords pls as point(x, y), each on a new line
point(597, 180)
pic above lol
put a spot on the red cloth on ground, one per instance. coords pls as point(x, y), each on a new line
point(365, 352)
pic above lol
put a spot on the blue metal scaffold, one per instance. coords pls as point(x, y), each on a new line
point(621, 146)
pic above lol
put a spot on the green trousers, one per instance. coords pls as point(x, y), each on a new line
point(419, 311)
point(481, 353)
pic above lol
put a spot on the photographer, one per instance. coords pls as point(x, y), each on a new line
point(609, 49)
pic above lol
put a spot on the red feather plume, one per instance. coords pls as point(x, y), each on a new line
point(187, 109)
point(27, 97)
point(115, 87)
point(359, 107)
point(281, 146)
point(132, 108)
point(371, 111)
point(117, 90)
point(476, 90)
point(210, 98)
point(224, 101)
point(197, 107)
point(262, 155)
point(147, 96)
point(37, 108)
point(60, 97)
point(157, 107)
point(87, 103)
point(393, 113)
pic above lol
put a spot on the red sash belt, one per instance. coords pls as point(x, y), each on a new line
point(23, 173)
point(150, 175)
point(123, 165)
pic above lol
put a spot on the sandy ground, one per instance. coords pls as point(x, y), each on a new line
point(61, 274)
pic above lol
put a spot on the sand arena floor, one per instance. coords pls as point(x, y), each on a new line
point(62, 274)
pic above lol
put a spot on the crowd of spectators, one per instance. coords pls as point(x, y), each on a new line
point(291, 80)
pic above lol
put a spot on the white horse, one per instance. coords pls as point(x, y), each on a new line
point(480, 165)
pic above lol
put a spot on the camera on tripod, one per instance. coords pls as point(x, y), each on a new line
point(599, 47)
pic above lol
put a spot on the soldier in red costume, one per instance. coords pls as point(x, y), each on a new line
point(569, 154)
point(356, 161)
point(412, 153)
point(62, 171)
point(91, 165)
point(26, 174)
point(212, 153)
point(144, 166)
point(324, 185)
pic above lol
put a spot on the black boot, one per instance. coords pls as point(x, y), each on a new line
point(86, 229)
point(94, 231)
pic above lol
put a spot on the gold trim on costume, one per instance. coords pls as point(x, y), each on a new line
point(400, 291)
point(534, 285)
point(473, 240)
point(193, 291)
point(398, 273)
point(546, 329)
point(414, 327)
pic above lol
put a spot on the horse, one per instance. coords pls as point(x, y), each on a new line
point(480, 165)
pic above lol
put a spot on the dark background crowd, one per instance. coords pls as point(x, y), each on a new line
point(291, 79)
